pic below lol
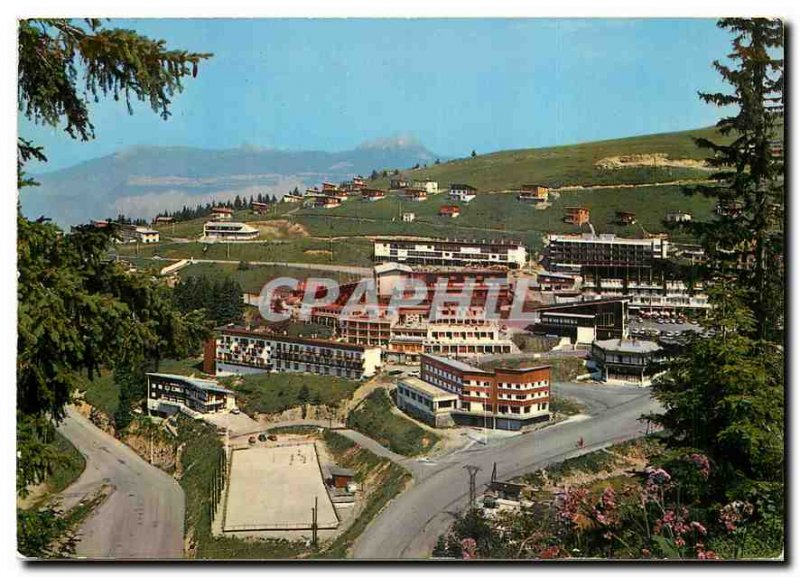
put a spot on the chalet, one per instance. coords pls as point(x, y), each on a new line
point(259, 207)
point(329, 187)
point(678, 216)
point(221, 213)
point(415, 194)
point(428, 185)
point(163, 220)
point(372, 194)
point(358, 182)
point(462, 192)
point(408, 217)
point(143, 234)
point(292, 198)
point(576, 215)
point(732, 209)
point(398, 182)
point(536, 193)
point(322, 201)
point(450, 210)
point(340, 477)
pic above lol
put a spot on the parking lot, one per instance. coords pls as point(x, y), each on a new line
point(654, 328)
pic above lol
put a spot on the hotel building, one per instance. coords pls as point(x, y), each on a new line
point(238, 350)
point(446, 252)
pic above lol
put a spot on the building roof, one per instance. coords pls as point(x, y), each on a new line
point(456, 364)
point(386, 267)
point(462, 187)
point(233, 226)
point(222, 209)
point(628, 346)
point(449, 209)
point(241, 331)
point(205, 384)
point(428, 389)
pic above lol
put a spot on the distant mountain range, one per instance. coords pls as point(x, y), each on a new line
point(145, 180)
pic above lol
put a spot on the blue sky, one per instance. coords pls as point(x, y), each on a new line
point(454, 85)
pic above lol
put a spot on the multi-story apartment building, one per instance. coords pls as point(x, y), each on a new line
point(229, 231)
point(501, 398)
point(168, 392)
point(446, 252)
point(241, 351)
point(611, 266)
point(583, 322)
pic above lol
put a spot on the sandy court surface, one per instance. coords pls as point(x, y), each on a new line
point(274, 488)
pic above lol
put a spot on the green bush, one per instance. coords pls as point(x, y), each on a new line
point(374, 418)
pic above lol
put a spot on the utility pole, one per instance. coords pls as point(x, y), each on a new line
point(473, 471)
point(314, 523)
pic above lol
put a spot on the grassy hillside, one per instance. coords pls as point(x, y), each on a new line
point(253, 279)
point(307, 250)
point(570, 164)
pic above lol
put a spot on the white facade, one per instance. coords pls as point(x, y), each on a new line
point(456, 253)
point(429, 186)
point(240, 352)
point(462, 195)
point(229, 231)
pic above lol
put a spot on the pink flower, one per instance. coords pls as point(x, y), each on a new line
point(702, 464)
point(698, 527)
point(679, 542)
point(609, 498)
point(469, 548)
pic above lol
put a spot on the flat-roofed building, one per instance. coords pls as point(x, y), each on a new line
point(196, 395)
point(446, 252)
point(426, 402)
point(502, 398)
point(241, 351)
point(229, 231)
point(583, 322)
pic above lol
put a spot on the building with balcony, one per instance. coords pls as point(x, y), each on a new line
point(577, 215)
point(583, 322)
point(372, 194)
point(428, 185)
point(415, 194)
point(450, 210)
point(143, 234)
point(221, 213)
point(229, 231)
point(462, 192)
point(167, 392)
point(628, 361)
point(508, 399)
point(533, 193)
point(446, 252)
point(242, 351)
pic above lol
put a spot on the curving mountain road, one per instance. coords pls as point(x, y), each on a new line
point(410, 525)
point(143, 516)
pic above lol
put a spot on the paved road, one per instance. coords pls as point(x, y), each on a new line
point(142, 518)
point(410, 525)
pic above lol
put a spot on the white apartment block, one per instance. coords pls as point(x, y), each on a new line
point(242, 351)
point(229, 231)
point(446, 252)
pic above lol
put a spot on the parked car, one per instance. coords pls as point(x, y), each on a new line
point(272, 437)
point(262, 437)
point(252, 440)
point(235, 411)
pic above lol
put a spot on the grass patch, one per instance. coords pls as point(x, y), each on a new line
point(294, 430)
point(387, 478)
point(533, 343)
point(277, 392)
point(305, 250)
point(565, 406)
point(374, 418)
point(68, 467)
point(563, 368)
